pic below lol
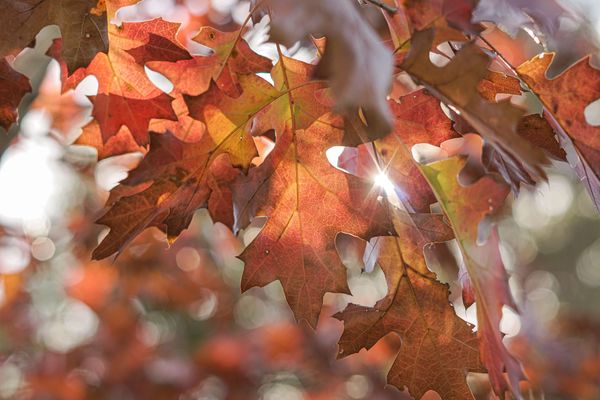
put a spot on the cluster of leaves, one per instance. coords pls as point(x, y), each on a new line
point(244, 147)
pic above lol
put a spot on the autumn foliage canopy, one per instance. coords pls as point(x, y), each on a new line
point(404, 128)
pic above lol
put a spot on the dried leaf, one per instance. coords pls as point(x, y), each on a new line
point(84, 33)
point(466, 207)
point(456, 84)
point(565, 99)
point(296, 246)
point(438, 348)
point(13, 86)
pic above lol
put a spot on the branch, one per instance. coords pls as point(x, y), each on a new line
point(383, 6)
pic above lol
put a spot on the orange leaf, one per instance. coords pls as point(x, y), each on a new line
point(438, 348)
point(466, 207)
point(565, 99)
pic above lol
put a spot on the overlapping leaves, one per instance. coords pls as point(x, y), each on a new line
point(199, 141)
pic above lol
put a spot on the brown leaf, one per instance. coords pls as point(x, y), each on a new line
point(297, 244)
point(565, 99)
point(13, 86)
point(497, 83)
point(456, 84)
point(539, 133)
point(84, 33)
point(466, 207)
point(512, 15)
point(438, 348)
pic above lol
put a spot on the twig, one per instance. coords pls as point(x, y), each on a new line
point(382, 5)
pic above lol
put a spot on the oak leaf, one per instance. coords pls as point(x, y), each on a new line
point(177, 179)
point(307, 202)
point(565, 99)
point(126, 97)
point(120, 143)
point(13, 86)
point(419, 119)
point(532, 128)
point(297, 243)
point(190, 76)
point(438, 348)
point(536, 130)
point(231, 57)
point(456, 84)
point(84, 33)
point(497, 83)
point(466, 207)
point(184, 176)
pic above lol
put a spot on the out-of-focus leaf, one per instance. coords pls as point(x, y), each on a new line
point(562, 357)
point(355, 62)
point(565, 27)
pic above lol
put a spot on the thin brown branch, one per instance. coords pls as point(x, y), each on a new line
point(383, 6)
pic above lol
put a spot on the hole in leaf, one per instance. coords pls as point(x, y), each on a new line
point(592, 113)
point(159, 80)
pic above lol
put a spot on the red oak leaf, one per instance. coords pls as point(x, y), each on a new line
point(13, 86)
point(438, 348)
point(307, 201)
point(126, 97)
point(466, 207)
point(231, 57)
point(565, 99)
point(419, 119)
point(456, 84)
